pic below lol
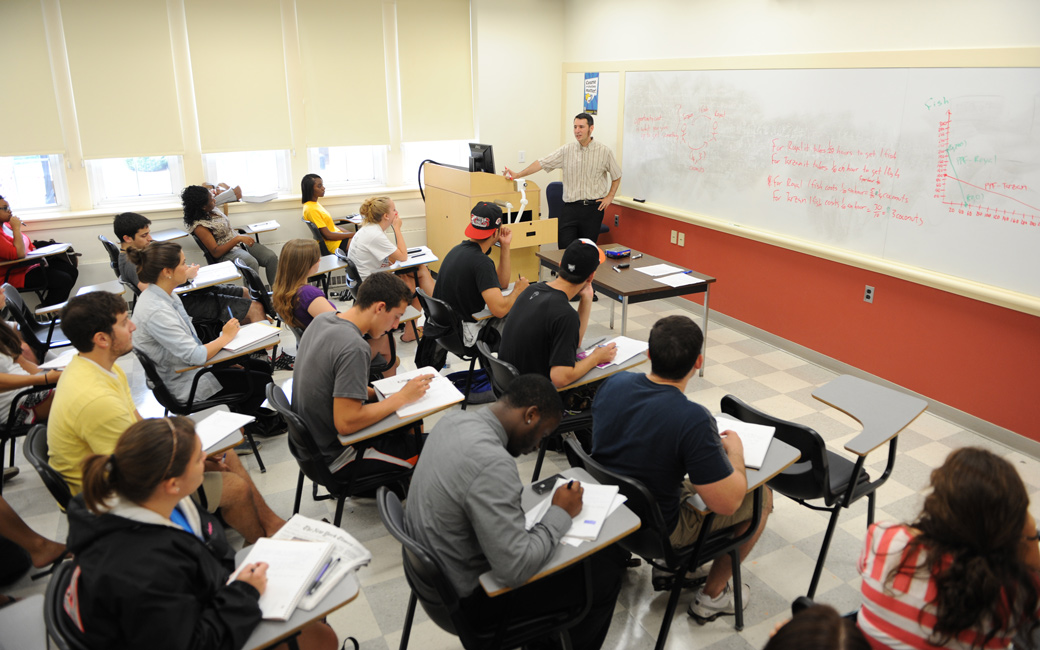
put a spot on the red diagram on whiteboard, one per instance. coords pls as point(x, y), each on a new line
point(995, 198)
point(697, 130)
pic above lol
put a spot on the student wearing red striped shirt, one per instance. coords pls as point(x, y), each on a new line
point(966, 573)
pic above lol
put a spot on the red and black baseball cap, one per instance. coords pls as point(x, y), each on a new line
point(484, 219)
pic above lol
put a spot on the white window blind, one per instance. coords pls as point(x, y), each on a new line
point(341, 47)
point(433, 44)
point(238, 68)
point(121, 63)
point(29, 122)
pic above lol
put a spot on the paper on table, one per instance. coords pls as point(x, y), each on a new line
point(251, 333)
point(292, 568)
point(597, 501)
point(260, 198)
point(349, 551)
point(218, 426)
point(48, 250)
point(59, 362)
point(659, 269)
point(440, 393)
point(264, 226)
point(678, 280)
point(212, 273)
point(618, 501)
point(754, 437)
point(626, 349)
point(425, 256)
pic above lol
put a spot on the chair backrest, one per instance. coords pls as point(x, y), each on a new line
point(256, 288)
point(441, 317)
point(809, 477)
point(112, 249)
point(499, 372)
point(317, 236)
point(302, 445)
point(159, 389)
point(651, 540)
point(428, 582)
point(205, 251)
point(351, 271)
point(27, 323)
point(554, 199)
point(61, 628)
point(35, 450)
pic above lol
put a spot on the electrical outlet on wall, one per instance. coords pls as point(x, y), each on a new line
point(868, 294)
point(673, 237)
point(522, 156)
point(617, 220)
point(682, 239)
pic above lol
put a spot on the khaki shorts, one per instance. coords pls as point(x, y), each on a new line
point(213, 486)
point(690, 521)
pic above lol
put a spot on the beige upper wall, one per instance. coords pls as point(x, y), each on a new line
point(518, 67)
point(613, 30)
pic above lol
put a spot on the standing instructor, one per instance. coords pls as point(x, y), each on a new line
point(590, 178)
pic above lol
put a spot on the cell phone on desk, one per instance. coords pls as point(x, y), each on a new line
point(414, 250)
point(543, 486)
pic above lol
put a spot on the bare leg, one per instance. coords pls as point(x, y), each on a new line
point(255, 313)
point(270, 522)
point(238, 509)
point(722, 568)
point(43, 409)
point(381, 346)
point(42, 550)
point(426, 280)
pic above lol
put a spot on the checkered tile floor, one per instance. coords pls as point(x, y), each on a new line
point(778, 570)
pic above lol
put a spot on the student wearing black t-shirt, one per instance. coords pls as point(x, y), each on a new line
point(468, 279)
point(543, 331)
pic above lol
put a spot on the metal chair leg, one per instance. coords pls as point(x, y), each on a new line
point(823, 551)
point(541, 456)
point(738, 590)
point(299, 493)
point(407, 630)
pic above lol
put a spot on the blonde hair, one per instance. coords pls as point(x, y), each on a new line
point(375, 208)
point(294, 261)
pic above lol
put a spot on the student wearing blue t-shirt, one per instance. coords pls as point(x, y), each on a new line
point(645, 427)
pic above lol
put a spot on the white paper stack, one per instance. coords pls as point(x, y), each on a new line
point(218, 426)
point(441, 392)
point(292, 567)
point(598, 502)
point(755, 438)
point(347, 553)
point(250, 334)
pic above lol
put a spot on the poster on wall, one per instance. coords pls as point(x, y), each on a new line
point(591, 92)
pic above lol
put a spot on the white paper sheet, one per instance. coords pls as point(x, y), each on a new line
point(218, 425)
point(679, 280)
point(754, 437)
point(440, 393)
point(659, 269)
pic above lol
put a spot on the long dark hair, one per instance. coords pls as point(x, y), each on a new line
point(307, 187)
point(154, 258)
point(148, 453)
point(970, 534)
point(194, 198)
point(819, 627)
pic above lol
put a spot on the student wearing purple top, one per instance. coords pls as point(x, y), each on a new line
point(298, 302)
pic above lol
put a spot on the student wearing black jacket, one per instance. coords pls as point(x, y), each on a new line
point(152, 568)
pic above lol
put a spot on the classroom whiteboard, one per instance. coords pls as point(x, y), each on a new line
point(935, 168)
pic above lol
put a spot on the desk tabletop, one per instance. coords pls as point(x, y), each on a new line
point(270, 632)
point(328, 264)
point(22, 626)
point(388, 424)
point(883, 412)
point(211, 275)
point(620, 523)
point(38, 254)
point(112, 286)
point(630, 282)
point(168, 234)
point(422, 255)
point(597, 373)
point(227, 355)
point(263, 226)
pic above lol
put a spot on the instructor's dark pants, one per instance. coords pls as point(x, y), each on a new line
point(579, 219)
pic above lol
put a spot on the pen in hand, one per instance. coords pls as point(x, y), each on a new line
point(229, 314)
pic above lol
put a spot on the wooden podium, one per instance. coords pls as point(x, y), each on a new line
point(451, 193)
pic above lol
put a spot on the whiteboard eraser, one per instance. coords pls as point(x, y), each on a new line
point(639, 200)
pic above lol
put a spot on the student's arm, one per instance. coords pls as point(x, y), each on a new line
point(16, 382)
point(328, 234)
point(493, 508)
point(206, 237)
point(401, 254)
point(510, 175)
point(505, 242)
point(725, 496)
point(352, 415)
point(320, 306)
point(565, 375)
point(499, 304)
point(227, 334)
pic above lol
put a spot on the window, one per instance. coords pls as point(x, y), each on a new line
point(256, 172)
point(150, 179)
point(29, 182)
point(347, 167)
point(446, 152)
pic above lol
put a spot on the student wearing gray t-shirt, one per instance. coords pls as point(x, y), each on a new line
point(330, 390)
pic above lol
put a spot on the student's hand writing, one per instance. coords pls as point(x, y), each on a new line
point(216, 464)
point(416, 388)
point(505, 236)
point(254, 575)
point(193, 270)
point(230, 328)
point(604, 354)
point(568, 497)
point(732, 443)
point(520, 285)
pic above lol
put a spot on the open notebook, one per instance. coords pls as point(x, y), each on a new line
point(293, 566)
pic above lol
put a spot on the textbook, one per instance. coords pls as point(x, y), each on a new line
point(250, 334)
point(293, 567)
point(754, 437)
point(441, 392)
point(347, 553)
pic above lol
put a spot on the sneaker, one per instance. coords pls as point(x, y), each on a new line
point(245, 449)
point(704, 609)
point(663, 580)
point(284, 362)
point(10, 473)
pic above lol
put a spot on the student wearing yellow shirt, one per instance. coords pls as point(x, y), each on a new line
point(313, 188)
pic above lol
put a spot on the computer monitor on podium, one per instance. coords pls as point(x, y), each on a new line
point(481, 158)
